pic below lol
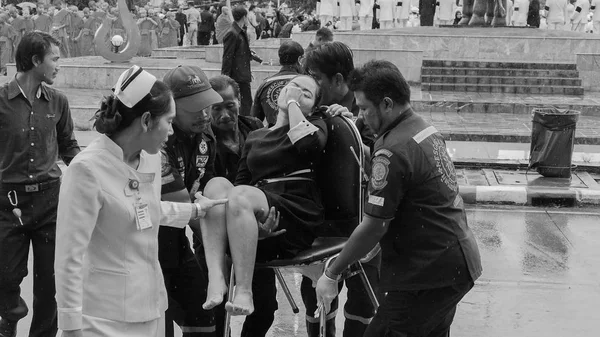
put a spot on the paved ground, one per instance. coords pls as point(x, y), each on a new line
point(541, 272)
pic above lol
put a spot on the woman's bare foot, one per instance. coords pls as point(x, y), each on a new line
point(214, 294)
point(242, 303)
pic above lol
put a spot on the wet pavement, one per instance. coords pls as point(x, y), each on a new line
point(541, 277)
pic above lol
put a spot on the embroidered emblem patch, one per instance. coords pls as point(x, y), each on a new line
point(384, 152)
point(165, 168)
point(273, 92)
point(203, 147)
point(379, 172)
point(201, 161)
point(444, 164)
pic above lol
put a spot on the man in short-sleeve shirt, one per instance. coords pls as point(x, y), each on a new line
point(430, 256)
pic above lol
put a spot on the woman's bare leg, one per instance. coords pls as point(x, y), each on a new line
point(214, 240)
point(242, 230)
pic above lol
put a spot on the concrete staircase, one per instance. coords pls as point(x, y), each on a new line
point(501, 77)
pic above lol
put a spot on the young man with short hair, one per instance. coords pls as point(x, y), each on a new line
point(38, 130)
point(430, 258)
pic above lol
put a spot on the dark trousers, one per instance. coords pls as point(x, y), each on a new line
point(246, 95)
point(417, 313)
point(181, 34)
point(186, 287)
point(39, 229)
point(203, 38)
point(358, 309)
point(264, 294)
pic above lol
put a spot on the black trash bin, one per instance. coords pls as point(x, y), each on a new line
point(552, 141)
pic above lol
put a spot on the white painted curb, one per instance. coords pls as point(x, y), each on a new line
point(502, 194)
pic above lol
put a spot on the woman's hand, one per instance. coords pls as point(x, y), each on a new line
point(338, 110)
point(268, 223)
point(72, 333)
point(206, 203)
point(286, 95)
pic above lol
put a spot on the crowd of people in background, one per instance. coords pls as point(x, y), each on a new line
point(187, 25)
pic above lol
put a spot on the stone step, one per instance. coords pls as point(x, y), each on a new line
point(189, 52)
point(456, 71)
point(506, 89)
point(499, 64)
point(502, 80)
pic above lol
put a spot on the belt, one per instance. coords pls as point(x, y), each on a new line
point(288, 177)
point(30, 188)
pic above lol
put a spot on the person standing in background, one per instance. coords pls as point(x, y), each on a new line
point(182, 19)
point(237, 56)
point(205, 27)
point(193, 17)
point(38, 130)
point(42, 22)
point(556, 14)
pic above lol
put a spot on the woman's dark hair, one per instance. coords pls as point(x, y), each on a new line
point(221, 82)
point(33, 44)
point(113, 116)
point(378, 79)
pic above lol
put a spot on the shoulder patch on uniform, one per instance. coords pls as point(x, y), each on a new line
point(379, 172)
point(384, 152)
point(421, 136)
point(165, 168)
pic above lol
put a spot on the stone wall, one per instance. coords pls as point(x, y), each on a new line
point(588, 66)
point(408, 61)
point(449, 47)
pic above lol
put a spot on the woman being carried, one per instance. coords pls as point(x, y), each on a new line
point(277, 169)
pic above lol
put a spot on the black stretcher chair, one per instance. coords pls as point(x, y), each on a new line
point(340, 178)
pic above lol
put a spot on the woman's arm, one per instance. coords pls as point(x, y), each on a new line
point(244, 177)
point(308, 136)
point(80, 201)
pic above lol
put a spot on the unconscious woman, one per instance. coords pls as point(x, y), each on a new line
point(108, 278)
point(276, 169)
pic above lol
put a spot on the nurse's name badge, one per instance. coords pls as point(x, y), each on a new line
point(134, 184)
point(203, 147)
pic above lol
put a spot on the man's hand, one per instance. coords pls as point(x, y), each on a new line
point(206, 203)
point(327, 291)
point(268, 223)
point(338, 110)
point(72, 333)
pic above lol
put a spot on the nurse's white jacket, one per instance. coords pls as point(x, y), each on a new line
point(105, 266)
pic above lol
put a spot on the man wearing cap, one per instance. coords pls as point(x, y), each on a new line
point(187, 165)
point(265, 101)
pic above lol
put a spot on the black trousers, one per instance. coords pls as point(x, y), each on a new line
point(39, 229)
point(246, 93)
point(203, 38)
point(358, 309)
point(418, 313)
point(264, 294)
point(186, 288)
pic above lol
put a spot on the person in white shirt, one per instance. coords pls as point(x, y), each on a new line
point(580, 16)
point(193, 18)
point(386, 14)
point(325, 10)
point(347, 12)
point(108, 277)
point(445, 12)
point(402, 13)
point(570, 11)
point(365, 14)
point(595, 7)
point(520, 12)
point(556, 14)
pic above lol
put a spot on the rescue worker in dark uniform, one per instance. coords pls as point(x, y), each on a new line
point(265, 100)
point(430, 256)
point(187, 164)
point(231, 128)
point(331, 63)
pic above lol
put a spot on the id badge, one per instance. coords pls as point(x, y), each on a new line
point(195, 187)
point(142, 216)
